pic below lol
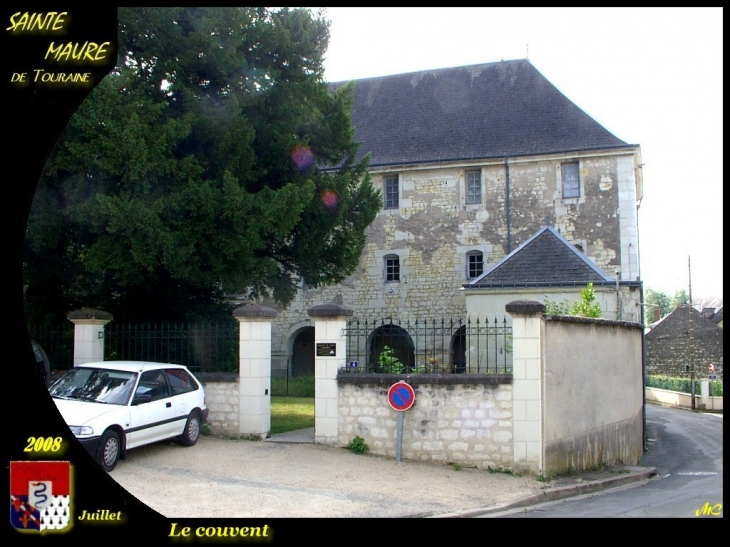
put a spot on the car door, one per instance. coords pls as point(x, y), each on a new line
point(185, 394)
point(151, 420)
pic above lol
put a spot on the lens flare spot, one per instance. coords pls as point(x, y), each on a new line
point(329, 198)
point(303, 157)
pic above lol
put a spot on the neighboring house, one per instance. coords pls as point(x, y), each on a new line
point(683, 340)
point(473, 162)
point(714, 315)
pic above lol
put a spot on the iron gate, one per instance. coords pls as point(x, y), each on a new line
point(429, 346)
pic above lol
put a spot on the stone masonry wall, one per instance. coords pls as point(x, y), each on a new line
point(668, 345)
point(222, 399)
point(433, 230)
point(468, 424)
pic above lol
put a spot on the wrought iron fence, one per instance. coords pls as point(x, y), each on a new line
point(445, 346)
point(58, 343)
point(202, 347)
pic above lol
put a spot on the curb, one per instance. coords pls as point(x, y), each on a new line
point(559, 493)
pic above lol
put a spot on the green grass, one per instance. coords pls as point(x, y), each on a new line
point(291, 413)
point(300, 386)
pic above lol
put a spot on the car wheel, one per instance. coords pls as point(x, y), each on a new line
point(192, 430)
point(109, 450)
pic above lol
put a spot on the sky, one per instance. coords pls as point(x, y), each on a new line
point(651, 76)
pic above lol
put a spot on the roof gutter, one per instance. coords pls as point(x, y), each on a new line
point(530, 285)
point(412, 163)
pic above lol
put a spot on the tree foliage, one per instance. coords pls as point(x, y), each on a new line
point(585, 307)
point(212, 161)
point(680, 297)
point(656, 300)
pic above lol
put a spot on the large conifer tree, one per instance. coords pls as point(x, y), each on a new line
point(212, 161)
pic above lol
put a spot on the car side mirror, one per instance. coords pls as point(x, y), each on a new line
point(141, 399)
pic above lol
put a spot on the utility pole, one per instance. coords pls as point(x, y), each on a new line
point(691, 336)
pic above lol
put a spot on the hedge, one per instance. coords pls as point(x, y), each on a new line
point(682, 385)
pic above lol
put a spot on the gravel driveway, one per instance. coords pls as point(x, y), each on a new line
point(271, 479)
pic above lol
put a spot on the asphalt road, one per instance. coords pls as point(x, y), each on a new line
point(686, 449)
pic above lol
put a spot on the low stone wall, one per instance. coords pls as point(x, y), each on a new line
point(682, 400)
point(465, 419)
point(223, 400)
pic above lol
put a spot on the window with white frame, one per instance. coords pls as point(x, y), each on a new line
point(473, 187)
point(571, 180)
point(390, 192)
point(392, 269)
point(474, 264)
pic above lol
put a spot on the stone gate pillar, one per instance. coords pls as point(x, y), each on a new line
point(527, 385)
point(88, 334)
point(254, 369)
point(330, 322)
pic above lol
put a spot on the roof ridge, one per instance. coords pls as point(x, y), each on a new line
point(541, 257)
point(475, 65)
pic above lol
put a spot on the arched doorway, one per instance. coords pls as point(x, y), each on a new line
point(458, 351)
point(302, 359)
point(390, 347)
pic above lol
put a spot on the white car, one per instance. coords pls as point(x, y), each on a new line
point(113, 406)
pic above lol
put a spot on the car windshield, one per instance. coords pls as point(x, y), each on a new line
point(96, 385)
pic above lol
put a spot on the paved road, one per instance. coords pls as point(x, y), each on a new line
point(686, 448)
point(273, 479)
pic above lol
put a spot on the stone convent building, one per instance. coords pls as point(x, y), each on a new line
point(473, 162)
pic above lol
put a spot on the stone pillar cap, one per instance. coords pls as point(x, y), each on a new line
point(89, 313)
point(525, 306)
point(330, 310)
point(254, 311)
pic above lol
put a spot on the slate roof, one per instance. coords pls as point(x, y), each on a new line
point(545, 259)
point(491, 110)
point(676, 323)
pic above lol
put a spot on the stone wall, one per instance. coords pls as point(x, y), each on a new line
point(433, 229)
point(592, 393)
point(670, 349)
point(574, 401)
point(464, 419)
point(666, 397)
point(222, 398)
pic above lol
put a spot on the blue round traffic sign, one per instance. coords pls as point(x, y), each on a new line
point(401, 396)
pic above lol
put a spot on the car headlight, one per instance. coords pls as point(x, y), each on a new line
point(81, 430)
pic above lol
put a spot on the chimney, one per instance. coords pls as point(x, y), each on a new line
point(657, 314)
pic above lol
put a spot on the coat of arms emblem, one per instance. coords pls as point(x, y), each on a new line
point(40, 495)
